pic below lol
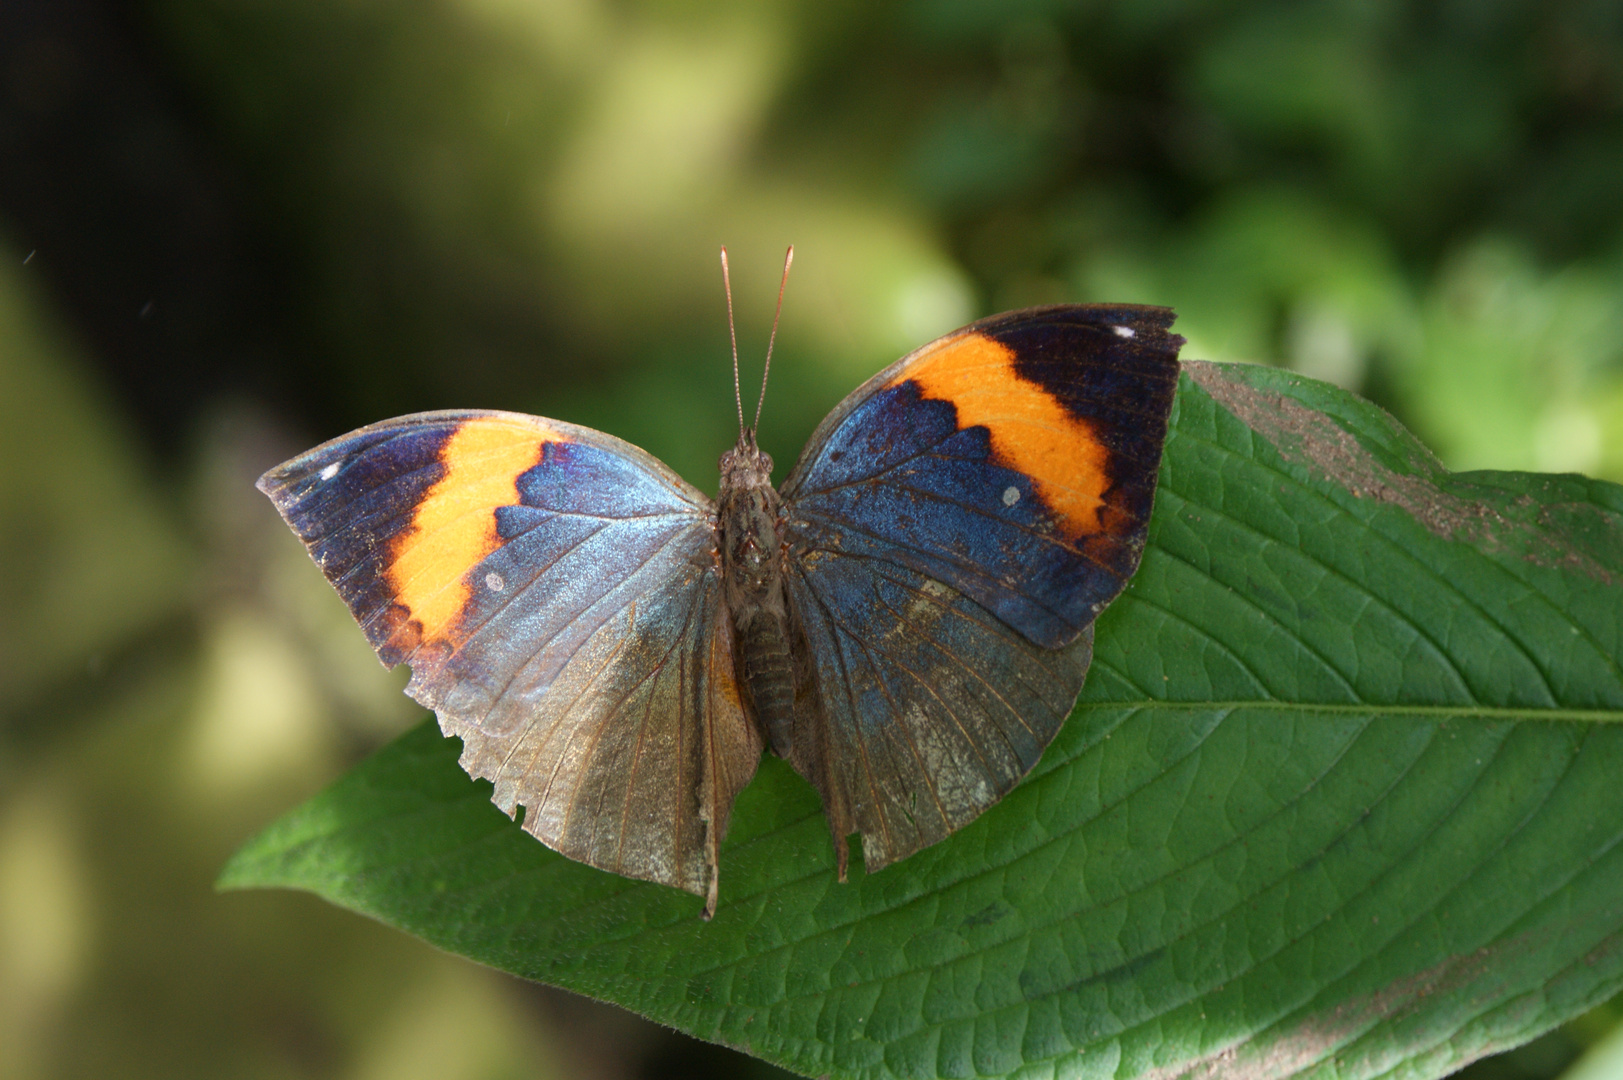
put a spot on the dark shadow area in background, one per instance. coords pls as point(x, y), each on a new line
point(149, 243)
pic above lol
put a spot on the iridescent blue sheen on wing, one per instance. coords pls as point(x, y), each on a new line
point(908, 472)
point(900, 481)
point(590, 546)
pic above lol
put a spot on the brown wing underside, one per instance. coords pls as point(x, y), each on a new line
point(633, 759)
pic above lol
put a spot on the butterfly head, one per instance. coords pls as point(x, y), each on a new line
point(746, 465)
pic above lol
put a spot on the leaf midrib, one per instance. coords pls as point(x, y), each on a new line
point(1503, 713)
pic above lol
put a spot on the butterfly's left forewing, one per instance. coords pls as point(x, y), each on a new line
point(954, 528)
point(555, 593)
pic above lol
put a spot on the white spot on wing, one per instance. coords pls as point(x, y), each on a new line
point(495, 582)
point(1123, 331)
point(330, 471)
point(1011, 495)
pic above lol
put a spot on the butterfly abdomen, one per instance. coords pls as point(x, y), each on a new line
point(763, 645)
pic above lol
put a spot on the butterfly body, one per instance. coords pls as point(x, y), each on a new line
point(907, 619)
point(749, 521)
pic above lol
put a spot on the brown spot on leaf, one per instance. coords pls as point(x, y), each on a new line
point(1297, 1045)
point(1306, 437)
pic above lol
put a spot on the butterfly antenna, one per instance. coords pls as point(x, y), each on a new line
point(788, 259)
point(738, 397)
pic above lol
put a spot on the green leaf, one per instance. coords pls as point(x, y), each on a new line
point(1343, 797)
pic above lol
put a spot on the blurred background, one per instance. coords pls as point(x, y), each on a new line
point(230, 229)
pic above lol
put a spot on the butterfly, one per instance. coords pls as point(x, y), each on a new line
point(907, 619)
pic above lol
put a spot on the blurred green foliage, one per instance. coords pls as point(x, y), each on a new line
point(517, 204)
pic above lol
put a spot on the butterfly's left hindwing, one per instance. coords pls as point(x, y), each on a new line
point(954, 528)
point(555, 592)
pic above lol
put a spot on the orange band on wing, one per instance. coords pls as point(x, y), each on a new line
point(1031, 431)
point(454, 526)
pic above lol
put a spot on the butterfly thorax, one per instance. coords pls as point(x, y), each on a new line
point(748, 518)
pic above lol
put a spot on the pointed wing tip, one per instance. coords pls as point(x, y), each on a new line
point(277, 481)
point(271, 483)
